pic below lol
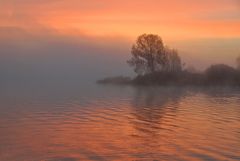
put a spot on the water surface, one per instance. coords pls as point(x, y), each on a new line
point(119, 123)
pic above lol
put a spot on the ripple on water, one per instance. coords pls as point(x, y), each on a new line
point(143, 124)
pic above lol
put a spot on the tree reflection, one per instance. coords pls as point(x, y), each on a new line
point(152, 108)
point(150, 101)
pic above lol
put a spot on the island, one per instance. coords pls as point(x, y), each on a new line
point(156, 64)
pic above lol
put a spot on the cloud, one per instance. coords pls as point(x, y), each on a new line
point(129, 18)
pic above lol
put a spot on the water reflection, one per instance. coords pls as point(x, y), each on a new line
point(130, 123)
point(150, 96)
point(63, 159)
point(150, 105)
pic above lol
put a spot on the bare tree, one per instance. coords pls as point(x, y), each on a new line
point(238, 63)
point(191, 69)
point(174, 63)
point(149, 55)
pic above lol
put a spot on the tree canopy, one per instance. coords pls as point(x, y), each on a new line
point(149, 55)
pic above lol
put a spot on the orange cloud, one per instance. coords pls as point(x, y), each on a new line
point(171, 19)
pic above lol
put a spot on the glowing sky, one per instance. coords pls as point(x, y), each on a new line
point(174, 19)
point(204, 31)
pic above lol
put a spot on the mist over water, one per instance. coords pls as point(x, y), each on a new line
point(31, 60)
point(47, 57)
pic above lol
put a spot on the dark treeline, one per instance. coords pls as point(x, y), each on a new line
point(156, 64)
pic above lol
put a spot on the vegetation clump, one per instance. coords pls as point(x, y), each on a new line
point(115, 80)
point(149, 55)
point(156, 64)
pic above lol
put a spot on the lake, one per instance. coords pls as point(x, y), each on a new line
point(97, 122)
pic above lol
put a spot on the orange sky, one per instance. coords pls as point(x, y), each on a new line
point(204, 31)
point(172, 19)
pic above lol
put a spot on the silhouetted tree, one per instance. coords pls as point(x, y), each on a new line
point(191, 69)
point(221, 73)
point(149, 55)
point(174, 63)
point(238, 63)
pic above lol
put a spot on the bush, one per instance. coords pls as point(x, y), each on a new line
point(221, 74)
point(115, 80)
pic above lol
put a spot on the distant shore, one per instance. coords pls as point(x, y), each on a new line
point(218, 76)
point(157, 64)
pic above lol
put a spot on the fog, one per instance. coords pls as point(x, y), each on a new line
point(28, 59)
point(51, 59)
